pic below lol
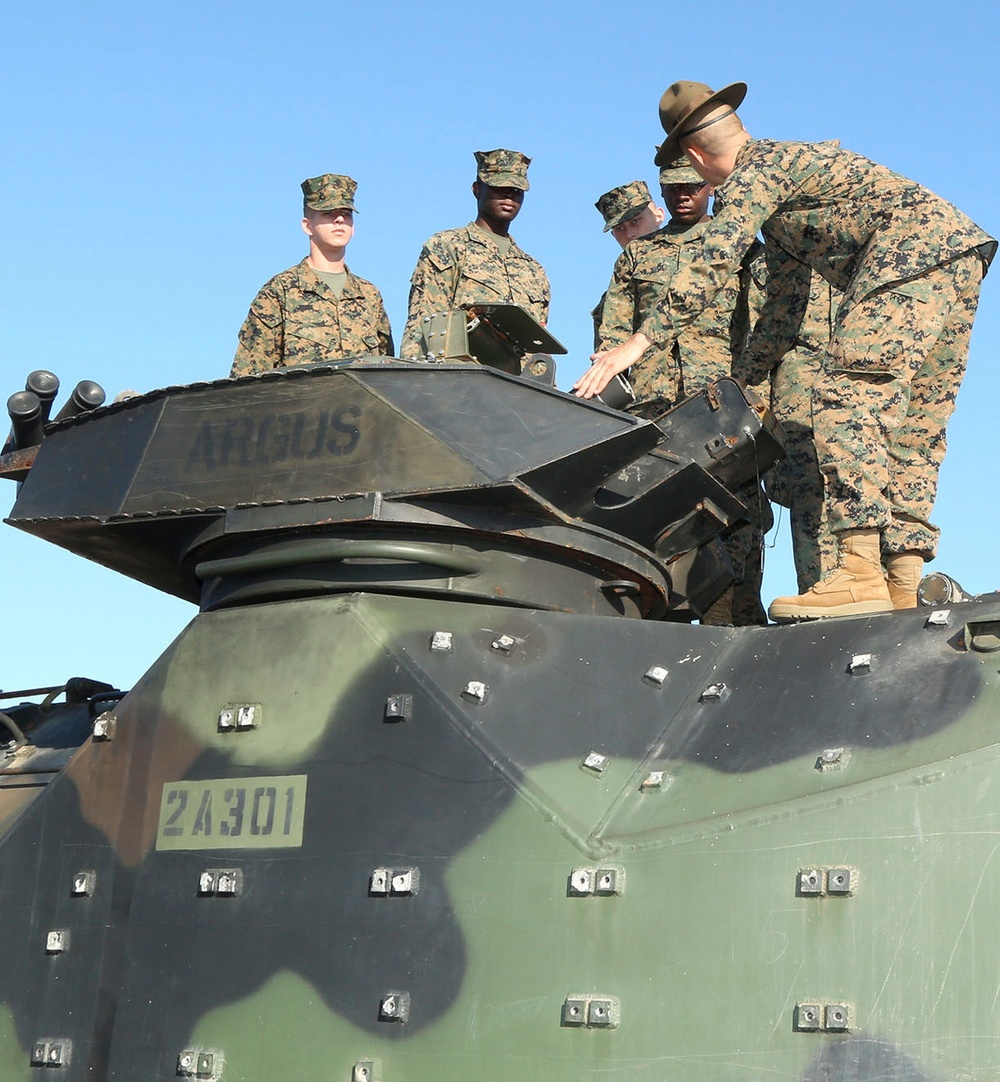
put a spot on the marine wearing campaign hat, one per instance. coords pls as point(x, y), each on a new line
point(623, 203)
point(331, 191)
point(503, 168)
point(683, 107)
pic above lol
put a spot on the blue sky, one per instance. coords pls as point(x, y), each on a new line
point(153, 155)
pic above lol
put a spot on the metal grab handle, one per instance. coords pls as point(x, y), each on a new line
point(330, 551)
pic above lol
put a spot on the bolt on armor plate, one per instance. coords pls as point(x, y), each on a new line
point(84, 884)
point(592, 1011)
point(860, 664)
point(581, 882)
point(505, 644)
point(833, 759)
point(220, 882)
point(655, 779)
point(51, 1052)
point(104, 727)
point(595, 762)
point(656, 674)
point(811, 881)
point(394, 1007)
point(404, 881)
point(200, 1063)
point(574, 1012)
point(837, 1017)
point(840, 880)
point(240, 717)
point(610, 881)
point(808, 1016)
point(714, 693)
point(57, 941)
point(399, 708)
point(602, 1013)
point(441, 640)
point(475, 691)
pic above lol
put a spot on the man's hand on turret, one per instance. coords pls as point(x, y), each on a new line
point(609, 363)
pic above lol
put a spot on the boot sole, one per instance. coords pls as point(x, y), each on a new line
point(787, 614)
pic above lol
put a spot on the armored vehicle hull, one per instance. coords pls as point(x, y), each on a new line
point(438, 784)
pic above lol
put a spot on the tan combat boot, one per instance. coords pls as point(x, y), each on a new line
point(904, 571)
point(854, 588)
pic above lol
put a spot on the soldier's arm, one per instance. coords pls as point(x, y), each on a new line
point(383, 330)
point(262, 342)
point(774, 333)
point(618, 319)
point(546, 297)
point(609, 364)
point(432, 290)
point(621, 345)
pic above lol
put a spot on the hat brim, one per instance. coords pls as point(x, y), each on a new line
point(731, 95)
point(687, 175)
point(627, 216)
point(505, 180)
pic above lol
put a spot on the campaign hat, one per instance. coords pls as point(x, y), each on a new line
point(681, 106)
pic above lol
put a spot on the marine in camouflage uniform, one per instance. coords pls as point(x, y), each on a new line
point(909, 266)
point(479, 262)
point(638, 293)
point(299, 317)
point(628, 212)
point(795, 481)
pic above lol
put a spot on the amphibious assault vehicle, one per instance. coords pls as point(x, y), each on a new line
point(443, 783)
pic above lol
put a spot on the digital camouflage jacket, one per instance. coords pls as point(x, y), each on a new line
point(637, 300)
point(297, 319)
point(860, 225)
point(462, 266)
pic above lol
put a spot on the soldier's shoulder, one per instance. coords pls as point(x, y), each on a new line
point(447, 240)
point(365, 285)
point(282, 281)
point(522, 254)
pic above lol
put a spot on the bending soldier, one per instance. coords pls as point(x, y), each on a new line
point(909, 266)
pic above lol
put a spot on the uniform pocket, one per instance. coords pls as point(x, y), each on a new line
point(883, 336)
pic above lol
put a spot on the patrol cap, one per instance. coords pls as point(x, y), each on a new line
point(679, 104)
point(331, 191)
point(503, 168)
point(623, 203)
point(679, 171)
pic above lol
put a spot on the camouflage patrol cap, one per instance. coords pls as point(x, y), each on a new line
point(331, 191)
point(623, 203)
point(503, 168)
point(679, 171)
